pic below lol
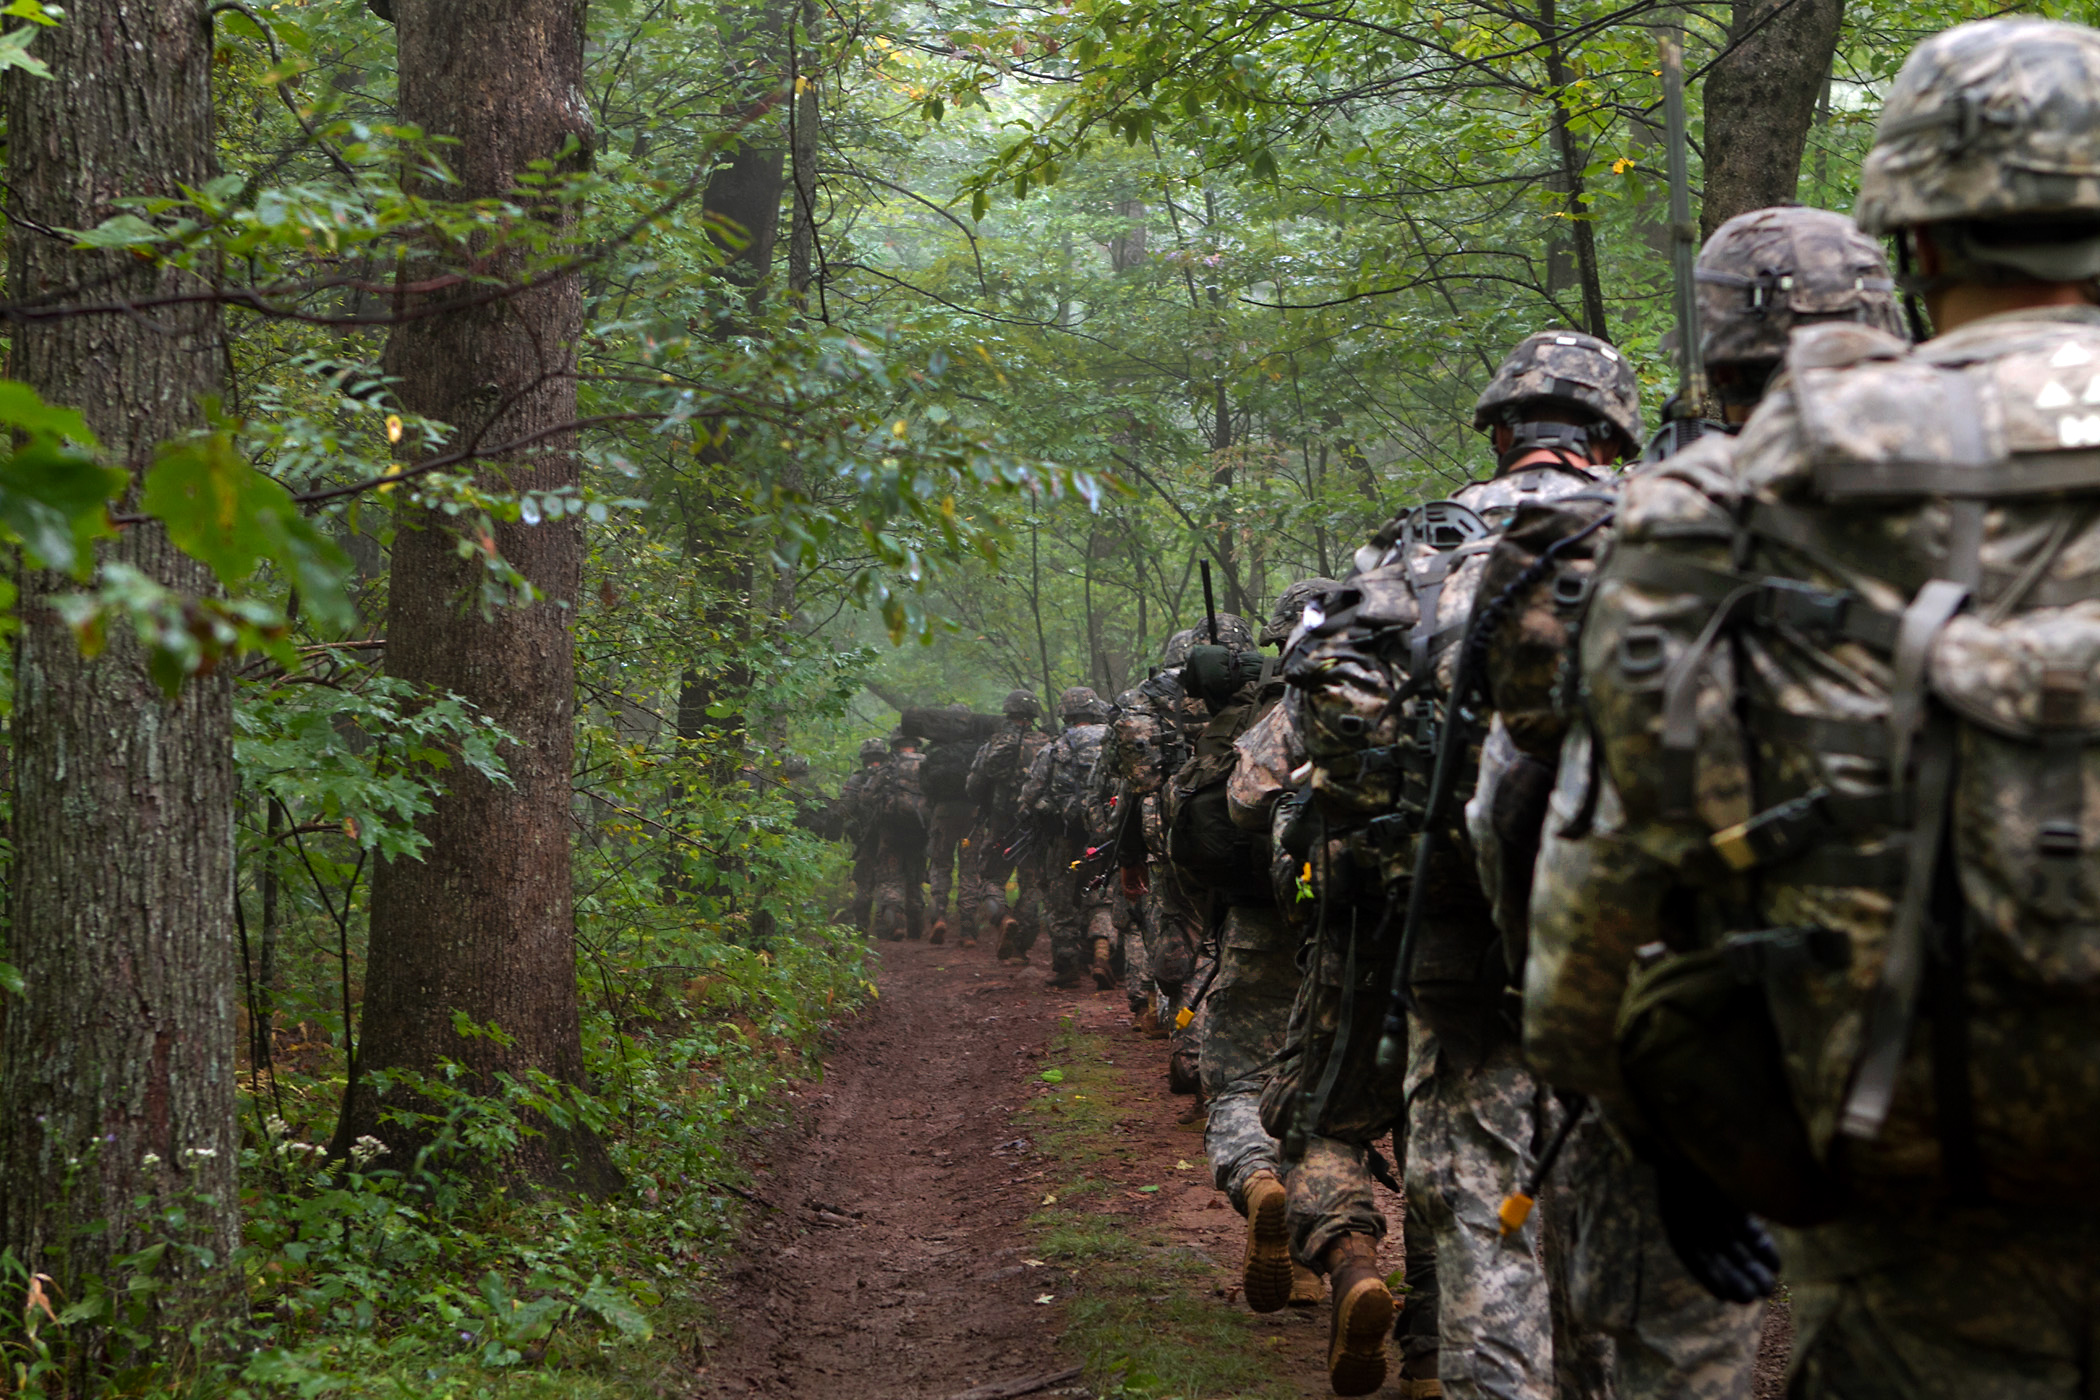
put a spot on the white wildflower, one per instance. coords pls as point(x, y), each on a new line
point(150, 1161)
point(365, 1149)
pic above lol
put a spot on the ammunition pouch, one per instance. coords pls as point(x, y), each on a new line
point(1701, 1055)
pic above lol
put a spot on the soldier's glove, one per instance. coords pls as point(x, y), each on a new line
point(1719, 1243)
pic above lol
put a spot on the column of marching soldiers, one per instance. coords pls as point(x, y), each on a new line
point(1697, 842)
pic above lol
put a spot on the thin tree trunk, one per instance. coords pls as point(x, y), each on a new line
point(117, 1065)
point(483, 925)
point(742, 203)
point(1580, 228)
point(1760, 101)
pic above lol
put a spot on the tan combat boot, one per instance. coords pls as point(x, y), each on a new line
point(1363, 1315)
point(1104, 971)
point(1007, 953)
point(1265, 1277)
point(1146, 1021)
point(940, 933)
point(1307, 1287)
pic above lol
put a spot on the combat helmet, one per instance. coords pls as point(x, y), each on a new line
point(1020, 704)
point(1176, 651)
point(1765, 272)
point(1080, 705)
point(1992, 133)
point(873, 750)
point(1570, 370)
point(902, 739)
point(1283, 618)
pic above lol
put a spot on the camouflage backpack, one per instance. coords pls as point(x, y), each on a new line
point(1209, 850)
point(1853, 691)
point(1066, 793)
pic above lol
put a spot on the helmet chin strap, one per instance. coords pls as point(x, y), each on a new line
point(1569, 442)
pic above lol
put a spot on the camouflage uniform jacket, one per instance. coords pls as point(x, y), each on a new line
point(999, 770)
point(1878, 617)
point(1060, 786)
point(897, 810)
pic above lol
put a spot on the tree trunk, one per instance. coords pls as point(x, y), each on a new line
point(483, 925)
point(117, 1065)
point(742, 203)
point(1760, 101)
point(1581, 231)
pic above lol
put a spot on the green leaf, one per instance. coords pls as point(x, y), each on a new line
point(621, 1314)
point(1052, 1076)
point(14, 53)
point(11, 979)
point(54, 499)
point(223, 512)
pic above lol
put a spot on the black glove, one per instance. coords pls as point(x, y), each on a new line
point(1718, 1242)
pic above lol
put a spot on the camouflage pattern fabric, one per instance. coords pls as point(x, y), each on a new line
point(1329, 1189)
point(1246, 1013)
point(1989, 1301)
point(1471, 1136)
point(1619, 1292)
point(945, 834)
point(898, 891)
point(994, 784)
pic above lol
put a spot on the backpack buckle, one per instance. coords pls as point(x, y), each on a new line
point(1775, 833)
point(1803, 605)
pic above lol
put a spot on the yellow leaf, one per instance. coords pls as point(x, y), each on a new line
point(393, 427)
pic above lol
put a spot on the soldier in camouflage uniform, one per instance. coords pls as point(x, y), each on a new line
point(1760, 276)
point(1246, 1004)
point(996, 777)
point(1829, 802)
point(851, 817)
point(897, 815)
point(1151, 734)
point(1058, 797)
point(1369, 678)
point(949, 823)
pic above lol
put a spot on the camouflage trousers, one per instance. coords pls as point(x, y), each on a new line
point(945, 834)
point(1172, 930)
point(863, 891)
point(1627, 1319)
point(898, 904)
point(1245, 1015)
point(986, 880)
point(1472, 1135)
point(1330, 1186)
point(1138, 985)
point(1934, 1305)
point(1076, 917)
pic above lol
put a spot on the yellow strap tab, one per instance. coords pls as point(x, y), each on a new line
point(1516, 1209)
point(1182, 1018)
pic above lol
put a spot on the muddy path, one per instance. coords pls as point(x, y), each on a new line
point(888, 1263)
point(989, 1196)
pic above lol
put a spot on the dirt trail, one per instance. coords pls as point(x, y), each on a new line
point(894, 1258)
point(890, 1264)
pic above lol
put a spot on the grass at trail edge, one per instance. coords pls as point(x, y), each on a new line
point(1148, 1317)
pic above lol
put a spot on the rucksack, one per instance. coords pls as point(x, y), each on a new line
point(1371, 677)
point(1208, 849)
point(944, 776)
point(1875, 683)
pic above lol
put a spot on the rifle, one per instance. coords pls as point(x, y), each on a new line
point(1210, 604)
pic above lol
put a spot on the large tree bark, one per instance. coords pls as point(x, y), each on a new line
point(117, 1091)
point(484, 924)
point(1760, 100)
